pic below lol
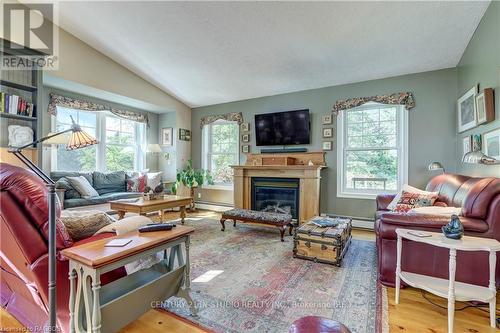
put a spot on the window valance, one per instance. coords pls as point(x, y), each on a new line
point(234, 116)
point(73, 103)
point(402, 98)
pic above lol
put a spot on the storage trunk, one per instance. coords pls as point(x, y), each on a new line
point(326, 245)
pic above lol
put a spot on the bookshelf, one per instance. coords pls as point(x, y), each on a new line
point(27, 85)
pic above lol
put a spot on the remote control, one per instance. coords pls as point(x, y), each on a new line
point(156, 227)
point(158, 223)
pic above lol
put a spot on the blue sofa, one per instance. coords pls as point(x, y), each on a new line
point(110, 186)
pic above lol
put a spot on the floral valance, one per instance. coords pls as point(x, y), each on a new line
point(79, 104)
point(402, 98)
point(234, 116)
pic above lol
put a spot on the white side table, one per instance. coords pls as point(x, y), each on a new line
point(449, 288)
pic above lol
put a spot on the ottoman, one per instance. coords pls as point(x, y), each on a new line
point(281, 221)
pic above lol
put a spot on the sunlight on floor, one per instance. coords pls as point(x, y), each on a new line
point(209, 275)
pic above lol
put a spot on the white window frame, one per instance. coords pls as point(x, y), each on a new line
point(140, 136)
point(206, 143)
point(401, 145)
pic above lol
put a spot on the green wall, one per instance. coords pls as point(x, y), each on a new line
point(432, 129)
point(480, 65)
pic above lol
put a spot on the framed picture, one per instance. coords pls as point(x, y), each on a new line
point(466, 144)
point(327, 145)
point(327, 119)
point(245, 149)
point(327, 132)
point(476, 142)
point(492, 143)
point(184, 134)
point(467, 117)
point(485, 106)
point(245, 138)
point(187, 135)
point(166, 136)
point(245, 127)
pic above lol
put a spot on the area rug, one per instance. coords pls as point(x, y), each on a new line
point(264, 289)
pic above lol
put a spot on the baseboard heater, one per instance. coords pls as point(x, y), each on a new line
point(357, 222)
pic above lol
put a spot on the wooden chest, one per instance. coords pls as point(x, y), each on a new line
point(326, 245)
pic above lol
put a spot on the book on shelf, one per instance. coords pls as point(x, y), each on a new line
point(14, 104)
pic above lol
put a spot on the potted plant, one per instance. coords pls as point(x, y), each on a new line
point(192, 178)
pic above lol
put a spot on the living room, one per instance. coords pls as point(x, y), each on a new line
point(250, 166)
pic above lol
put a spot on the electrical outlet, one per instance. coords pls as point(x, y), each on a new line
point(199, 195)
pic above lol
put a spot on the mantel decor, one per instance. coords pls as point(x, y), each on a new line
point(233, 116)
point(79, 104)
point(402, 98)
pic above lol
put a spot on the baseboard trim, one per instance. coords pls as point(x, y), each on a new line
point(357, 222)
point(213, 207)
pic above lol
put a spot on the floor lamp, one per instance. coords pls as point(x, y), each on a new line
point(77, 139)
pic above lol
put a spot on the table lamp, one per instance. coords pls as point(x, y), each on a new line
point(77, 139)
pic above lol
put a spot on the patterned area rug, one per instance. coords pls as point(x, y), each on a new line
point(264, 289)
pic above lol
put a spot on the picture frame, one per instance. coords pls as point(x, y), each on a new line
point(485, 106)
point(327, 119)
point(245, 138)
point(327, 132)
point(245, 127)
point(327, 145)
point(167, 136)
point(245, 149)
point(466, 144)
point(491, 142)
point(466, 106)
point(476, 142)
point(184, 134)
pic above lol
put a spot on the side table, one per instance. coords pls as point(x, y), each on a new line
point(96, 308)
point(450, 289)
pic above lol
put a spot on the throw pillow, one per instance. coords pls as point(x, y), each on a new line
point(406, 188)
point(411, 200)
point(69, 190)
point(153, 179)
point(136, 183)
point(83, 224)
point(82, 185)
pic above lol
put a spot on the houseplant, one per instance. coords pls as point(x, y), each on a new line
point(192, 178)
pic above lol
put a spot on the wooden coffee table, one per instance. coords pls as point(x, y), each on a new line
point(142, 206)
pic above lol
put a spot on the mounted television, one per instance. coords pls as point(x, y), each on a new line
point(282, 128)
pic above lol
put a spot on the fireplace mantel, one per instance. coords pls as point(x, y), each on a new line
point(309, 176)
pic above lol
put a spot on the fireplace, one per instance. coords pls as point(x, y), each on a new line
point(279, 195)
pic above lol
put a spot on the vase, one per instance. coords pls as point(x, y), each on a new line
point(454, 229)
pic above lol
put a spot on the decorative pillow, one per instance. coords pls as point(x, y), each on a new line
point(153, 179)
point(69, 190)
point(136, 184)
point(406, 188)
point(82, 185)
point(83, 224)
point(411, 200)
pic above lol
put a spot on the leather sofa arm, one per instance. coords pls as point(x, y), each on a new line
point(383, 200)
point(413, 220)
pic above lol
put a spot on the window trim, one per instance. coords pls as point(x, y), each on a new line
point(206, 141)
point(100, 129)
point(402, 147)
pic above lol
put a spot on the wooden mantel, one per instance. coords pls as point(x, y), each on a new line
point(309, 178)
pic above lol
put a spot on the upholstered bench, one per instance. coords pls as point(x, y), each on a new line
point(281, 221)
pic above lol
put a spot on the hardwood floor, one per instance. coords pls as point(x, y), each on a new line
point(413, 314)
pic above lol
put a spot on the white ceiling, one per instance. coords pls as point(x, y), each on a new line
point(213, 52)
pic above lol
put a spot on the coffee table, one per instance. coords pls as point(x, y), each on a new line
point(142, 206)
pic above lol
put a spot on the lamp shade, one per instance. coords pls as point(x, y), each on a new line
point(79, 139)
point(477, 157)
point(435, 166)
point(154, 148)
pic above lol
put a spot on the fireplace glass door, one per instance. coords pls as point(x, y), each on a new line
point(280, 195)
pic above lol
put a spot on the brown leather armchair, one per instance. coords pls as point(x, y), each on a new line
point(480, 202)
point(23, 251)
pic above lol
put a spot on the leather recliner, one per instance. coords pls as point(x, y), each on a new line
point(480, 202)
point(23, 251)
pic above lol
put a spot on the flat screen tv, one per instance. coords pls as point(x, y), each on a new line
point(282, 128)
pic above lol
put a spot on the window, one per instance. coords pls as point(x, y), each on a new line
point(372, 150)
point(220, 150)
point(120, 142)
